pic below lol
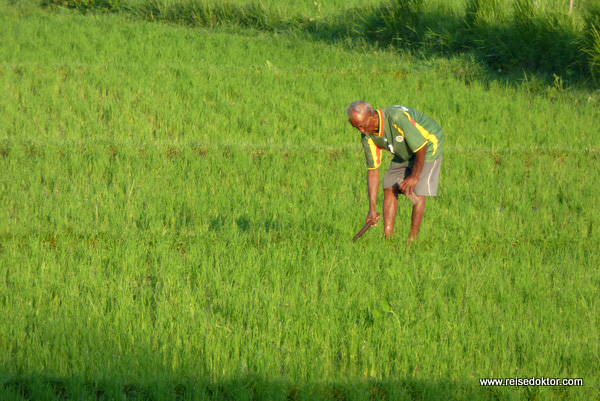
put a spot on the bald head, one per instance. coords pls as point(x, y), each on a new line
point(359, 109)
point(363, 117)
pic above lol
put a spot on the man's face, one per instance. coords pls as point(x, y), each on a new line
point(366, 124)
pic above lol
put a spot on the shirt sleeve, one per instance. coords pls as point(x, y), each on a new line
point(372, 153)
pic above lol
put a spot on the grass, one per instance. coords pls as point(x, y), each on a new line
point(510, 35)
point(177, 206)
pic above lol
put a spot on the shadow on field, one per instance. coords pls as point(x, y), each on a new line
point(272, 229)
point(36, 387)
point(524, 42)
point(521, 38)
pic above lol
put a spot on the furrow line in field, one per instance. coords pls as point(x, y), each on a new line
point(4, 142)
point(208, 66)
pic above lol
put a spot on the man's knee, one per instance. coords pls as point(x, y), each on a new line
point(390, 191)
point(422, 202)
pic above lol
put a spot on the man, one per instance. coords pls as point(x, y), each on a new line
point(417, 143)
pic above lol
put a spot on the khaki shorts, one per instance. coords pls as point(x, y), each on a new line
point(428, 180)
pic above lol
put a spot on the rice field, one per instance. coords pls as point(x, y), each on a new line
point(177, 205)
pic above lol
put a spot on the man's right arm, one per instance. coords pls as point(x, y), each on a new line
point(373, 188)
point(373, 159)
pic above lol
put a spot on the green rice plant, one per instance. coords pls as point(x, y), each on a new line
point(85, 5)
point(591, 41)
point(210, 14)
point(547, 39)
point(534, 39)
point(479, 14)
point(396, 21)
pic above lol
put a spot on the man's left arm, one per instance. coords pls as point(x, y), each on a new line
point(410, 182)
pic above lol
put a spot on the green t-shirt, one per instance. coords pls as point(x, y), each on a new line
point(403, 132)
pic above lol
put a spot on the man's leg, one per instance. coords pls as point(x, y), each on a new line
point(390, 207)
point(417, 217)
point(427, 185)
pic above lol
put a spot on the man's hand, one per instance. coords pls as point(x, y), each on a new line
point(373, 217)
point(407, 186)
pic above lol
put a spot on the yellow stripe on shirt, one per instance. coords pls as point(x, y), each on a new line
point(376, 153)
point(426, 134)
point(399, 130)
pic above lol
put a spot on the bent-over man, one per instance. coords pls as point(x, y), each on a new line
point(417, 143)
